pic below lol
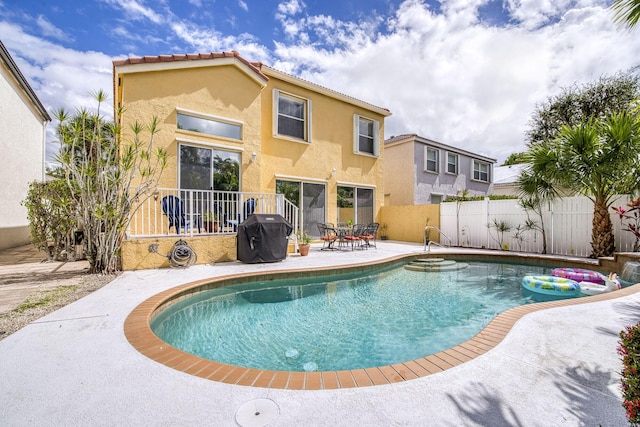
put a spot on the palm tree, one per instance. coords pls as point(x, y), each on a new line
point(598, 158)
point(226, 174)
point(627, 12)
point(535, 189)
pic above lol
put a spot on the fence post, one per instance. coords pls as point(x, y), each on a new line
point(487, 222)
point(553, 250)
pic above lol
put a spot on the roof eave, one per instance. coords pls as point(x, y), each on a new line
point(160, 63)
point(402, 139)
point(22, 81)
point(272, 72)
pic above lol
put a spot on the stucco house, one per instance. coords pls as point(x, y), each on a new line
point(246, 138)
point(420, 171)
point(23, 123)
point(505, 179)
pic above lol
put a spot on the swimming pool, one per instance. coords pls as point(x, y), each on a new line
point(343, 322)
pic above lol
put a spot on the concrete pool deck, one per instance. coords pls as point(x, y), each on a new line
point(75, 367)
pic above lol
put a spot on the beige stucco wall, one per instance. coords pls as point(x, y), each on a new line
point(222, 91)
point(22, 145)
point(407, 223)
point(208, 250)
point(505, 190)
point(399, 177)
point(331, 147)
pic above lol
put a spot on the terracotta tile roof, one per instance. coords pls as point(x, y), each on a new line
point(254, 66)
point(317, 87)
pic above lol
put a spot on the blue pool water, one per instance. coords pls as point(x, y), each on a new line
point(342, 323)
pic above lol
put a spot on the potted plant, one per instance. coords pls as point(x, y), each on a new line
point(383, 231)
point(210, 222)
point(304, 243)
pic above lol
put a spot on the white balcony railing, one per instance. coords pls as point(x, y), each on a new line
point(198, 212)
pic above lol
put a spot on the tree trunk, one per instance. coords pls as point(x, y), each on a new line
point(602, 240)
point(544, 235)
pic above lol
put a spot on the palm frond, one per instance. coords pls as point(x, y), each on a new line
point(626, 13)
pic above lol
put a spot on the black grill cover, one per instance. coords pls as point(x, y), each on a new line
point(263, 238)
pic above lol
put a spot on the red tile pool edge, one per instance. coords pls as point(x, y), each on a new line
point(139, 334)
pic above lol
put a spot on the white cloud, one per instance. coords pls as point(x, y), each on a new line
point(203, 39)
point(291, 7)
point(243, 5)
point(472, 85)
point(137, 10)
point(62, 78)
point(50, 30)
point(293, 27)
point(534, 13)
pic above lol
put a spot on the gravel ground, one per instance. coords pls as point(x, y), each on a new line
point(42, 302)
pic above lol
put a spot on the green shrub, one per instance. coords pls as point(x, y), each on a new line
point(109, 174)
point(629, 349)
point(52, 217)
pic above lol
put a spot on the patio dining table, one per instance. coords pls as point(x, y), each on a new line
point(345, 233)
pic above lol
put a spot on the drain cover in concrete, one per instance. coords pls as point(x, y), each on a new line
point(257, 413)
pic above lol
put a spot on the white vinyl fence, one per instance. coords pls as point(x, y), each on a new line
point(568, 224)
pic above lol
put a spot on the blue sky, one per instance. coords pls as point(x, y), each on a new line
point(463, 72)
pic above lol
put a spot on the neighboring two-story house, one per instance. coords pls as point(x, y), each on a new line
point(237, 132)
point(23, 123)
point(421, 171)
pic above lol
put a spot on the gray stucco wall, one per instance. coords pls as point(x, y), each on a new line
point(443, 183)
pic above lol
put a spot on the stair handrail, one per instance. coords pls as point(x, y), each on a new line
point(427, 229)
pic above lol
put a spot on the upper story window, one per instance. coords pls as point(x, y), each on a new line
point(366, 139)
point(431, 159)
point(292, 116)
point(480, 171)
point(452, 163)
point(210, 126)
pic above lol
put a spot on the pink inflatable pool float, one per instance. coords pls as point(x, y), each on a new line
point(579, 275)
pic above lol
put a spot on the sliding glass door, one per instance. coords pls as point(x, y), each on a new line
point(209, 169)
point(355, 204)
point(310, 198)
point(205, 169)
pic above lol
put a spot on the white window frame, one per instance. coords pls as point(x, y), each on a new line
point(426, 159)
point(307, 116)
point(456, 164)
point(474, 169)
point(356, 136)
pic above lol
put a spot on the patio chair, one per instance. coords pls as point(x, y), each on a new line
point(369, 235)
point(173, 208)
point(249, 207)
point(344, 230)
point(328, 235)
point(355, 238)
